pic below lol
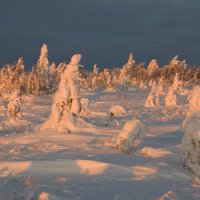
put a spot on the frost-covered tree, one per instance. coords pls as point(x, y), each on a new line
point(130, 64)
point(177, 83)
point(14, 106)
point(139, 73)
point(95, 71)
point(174, 62)
point(12, 77)
point(194, 100)
point(43, 62)
point(183, 65)
point(152, 67)
point(131, 135)
point(152, 100)
point(191, 138)
point(42, 69)
point(142, 85)
point(124, 80)
point(170, 99)
point(66, 103)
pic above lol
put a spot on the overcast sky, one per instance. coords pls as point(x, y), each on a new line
point(103, 31)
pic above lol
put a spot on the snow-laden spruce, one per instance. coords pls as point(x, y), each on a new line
point(66, 102)
point(14, 121)
point(153, 99)
point(152, 67)
point(43, 67)
point(191, 138)
point(131, 135)
point(170, 99)
point(177, 83)
point(194, 100)
point(174, 62)
point(14, 107)
point(191, 143)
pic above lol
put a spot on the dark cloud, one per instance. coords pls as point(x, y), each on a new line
point(104, 31)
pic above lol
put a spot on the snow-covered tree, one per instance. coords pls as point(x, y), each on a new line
point(153, 99)
point(43, 62)
point(177, 84)
point(20, 65)
point(170, 99)
point(14, 106)
point(42, 68)
point(130, 64)
point(161, 86)
point(174, 62)
point(123, 80)
point(183, 64)
point(191, 143)
point(131, 135)
point(152, 67)
point(142, 85)
point(66, 103)
point(191, 138)
point(95, 71)
point(194, 100)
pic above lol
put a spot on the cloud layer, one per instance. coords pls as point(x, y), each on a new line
point(104, 31)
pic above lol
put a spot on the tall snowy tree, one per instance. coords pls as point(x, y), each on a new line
point(128, 67)
point(66, 103)
point(43, 68)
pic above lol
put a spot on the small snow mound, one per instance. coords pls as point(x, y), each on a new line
point(153, 153)
point(84, 107)
point(130, 135)
point(43, 196)
point(117, 110)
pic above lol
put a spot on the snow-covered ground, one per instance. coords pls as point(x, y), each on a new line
point(85, 165)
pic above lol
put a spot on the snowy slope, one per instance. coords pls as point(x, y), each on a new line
point(84, 164)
